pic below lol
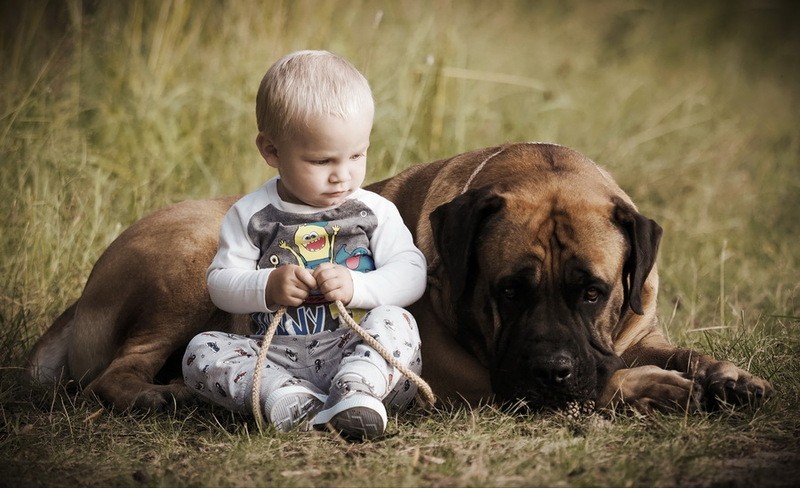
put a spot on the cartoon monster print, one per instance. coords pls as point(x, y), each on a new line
point(191, 359)
point(220, 390)
point(239, 376)
point(291, 355)
point(358, 259)
point(314, 246)
point(213, 345)
point(312, 347)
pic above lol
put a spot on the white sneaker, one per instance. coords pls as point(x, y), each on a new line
point(352, 409)
point(293, 406)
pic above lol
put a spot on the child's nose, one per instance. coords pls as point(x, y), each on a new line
point(340, 174)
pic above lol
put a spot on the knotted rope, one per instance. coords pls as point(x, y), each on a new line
point(424, 392)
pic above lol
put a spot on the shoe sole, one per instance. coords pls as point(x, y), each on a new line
point(293, 408)
point(360, 416)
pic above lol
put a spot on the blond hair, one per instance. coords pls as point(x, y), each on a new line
point(304, 84)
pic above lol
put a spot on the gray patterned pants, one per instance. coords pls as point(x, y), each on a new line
point(219, 366)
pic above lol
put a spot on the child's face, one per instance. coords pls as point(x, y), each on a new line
point(321, 163)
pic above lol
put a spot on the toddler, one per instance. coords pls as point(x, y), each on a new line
point(306, 238)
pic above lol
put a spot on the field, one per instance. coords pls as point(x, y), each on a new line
point(110, 110)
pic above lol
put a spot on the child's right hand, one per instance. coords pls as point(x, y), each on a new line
point(289, 285)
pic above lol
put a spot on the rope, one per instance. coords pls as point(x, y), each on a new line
point(427, 396)
point(255, 397)
point(424, 392)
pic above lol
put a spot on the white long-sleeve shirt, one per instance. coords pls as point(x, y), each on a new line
point(365, 234)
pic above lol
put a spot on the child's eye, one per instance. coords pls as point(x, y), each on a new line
point(356, 157)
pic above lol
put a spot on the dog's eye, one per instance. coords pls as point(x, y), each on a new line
point(591, 295)
point(514, 288)
point(510, 293)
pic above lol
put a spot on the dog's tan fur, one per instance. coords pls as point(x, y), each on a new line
point(146, 296)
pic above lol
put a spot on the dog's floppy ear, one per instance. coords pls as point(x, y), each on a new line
point(456, 225)
point(643, 236)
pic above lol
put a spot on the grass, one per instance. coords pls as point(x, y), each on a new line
point(110, 110)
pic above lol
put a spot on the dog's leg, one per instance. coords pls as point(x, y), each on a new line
point(124, 385)
point(47, 362)
point(128, 381)
point(648, 388)
point(720, 381)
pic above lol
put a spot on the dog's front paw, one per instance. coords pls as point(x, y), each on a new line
point(650, 388)
point(725, 383)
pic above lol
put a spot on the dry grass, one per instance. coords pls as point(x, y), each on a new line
point(109, 110)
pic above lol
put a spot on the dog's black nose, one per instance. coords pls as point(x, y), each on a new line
point(555, 369)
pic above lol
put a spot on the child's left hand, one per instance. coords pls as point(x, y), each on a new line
point(334, 282)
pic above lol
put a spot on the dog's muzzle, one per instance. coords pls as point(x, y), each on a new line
point(551, 370)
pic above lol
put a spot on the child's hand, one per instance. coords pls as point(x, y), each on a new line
point(289, 285)
point(334, 282)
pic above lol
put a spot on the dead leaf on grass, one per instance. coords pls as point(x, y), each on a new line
point(427, 458)
point(298, 472)
point(93, 416)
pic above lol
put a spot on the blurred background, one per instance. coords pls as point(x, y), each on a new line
point(109, 110)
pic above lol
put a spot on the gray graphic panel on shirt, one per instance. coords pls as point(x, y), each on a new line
point(340, 235)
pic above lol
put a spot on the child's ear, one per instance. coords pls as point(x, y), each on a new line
point(267, 149)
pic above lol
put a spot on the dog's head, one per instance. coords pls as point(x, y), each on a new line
point(539, 277)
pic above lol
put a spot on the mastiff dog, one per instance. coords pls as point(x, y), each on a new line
point(542, 289)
